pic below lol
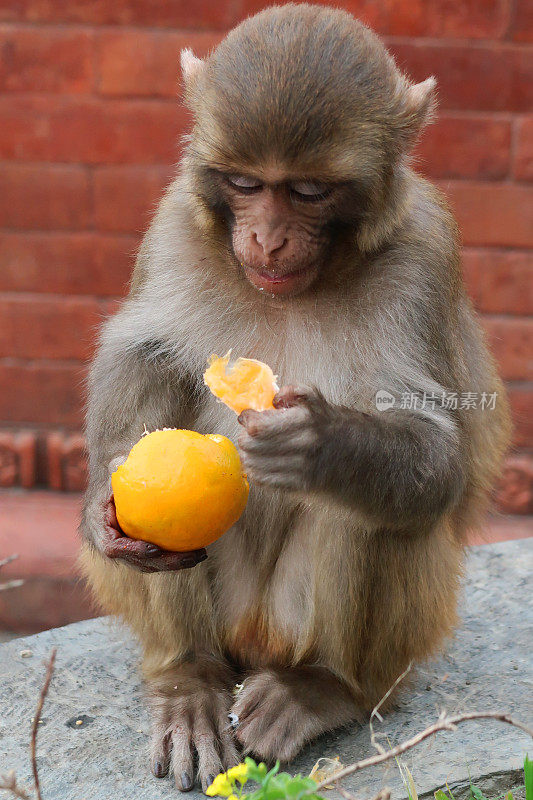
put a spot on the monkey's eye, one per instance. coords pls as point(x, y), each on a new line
point(245, 184)
point(309, 190)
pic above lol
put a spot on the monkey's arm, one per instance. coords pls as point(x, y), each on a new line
point(129, 388)
point(395, 467)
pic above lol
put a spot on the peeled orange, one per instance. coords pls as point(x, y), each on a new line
point(245, 384)
point(179, 489)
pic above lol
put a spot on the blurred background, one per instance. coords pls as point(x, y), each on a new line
point(89, 132)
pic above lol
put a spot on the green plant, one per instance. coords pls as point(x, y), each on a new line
point(272, 784)
point(528, 777)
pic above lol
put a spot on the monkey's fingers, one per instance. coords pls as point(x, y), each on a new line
point(182, 753)
point(271, 425)
point(150, 558)
point(143, 555)
point(160, 752)
point(252, 421)
point(291, 396)
point(206, 744)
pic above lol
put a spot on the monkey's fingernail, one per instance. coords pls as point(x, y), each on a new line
point(186, 782)
point(159, 770)
point(201, 557)
point(188, 562)
point(153, 550)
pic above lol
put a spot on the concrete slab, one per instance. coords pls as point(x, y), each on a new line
point(488, 666)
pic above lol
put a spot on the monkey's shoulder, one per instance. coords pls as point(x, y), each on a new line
point(429, 226)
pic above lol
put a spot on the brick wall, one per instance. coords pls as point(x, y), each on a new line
point(89, 129)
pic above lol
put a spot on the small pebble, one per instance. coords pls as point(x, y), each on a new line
point(26, 653)
point(79, 721)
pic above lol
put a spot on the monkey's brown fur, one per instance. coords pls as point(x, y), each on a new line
point(320, 597)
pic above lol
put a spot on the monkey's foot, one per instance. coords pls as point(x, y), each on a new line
point(190, 724)
point(280, 710)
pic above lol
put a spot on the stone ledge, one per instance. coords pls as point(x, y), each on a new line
point(487, 666)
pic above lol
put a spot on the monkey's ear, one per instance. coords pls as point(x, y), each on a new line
point(191, 66)
point(418, 104)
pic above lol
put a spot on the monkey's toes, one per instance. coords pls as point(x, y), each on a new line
point(272, 724)
point(195, 730)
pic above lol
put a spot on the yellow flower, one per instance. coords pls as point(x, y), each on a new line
point(221, 787)
point(238, 773)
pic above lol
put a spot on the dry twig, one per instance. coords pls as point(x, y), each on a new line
point(37, 717)
point(444, 723)
point(384, 794)
point(8, 560)
point(375, 712)
point(9, 784)
point(9, 584)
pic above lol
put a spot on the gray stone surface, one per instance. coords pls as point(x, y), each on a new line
point(487, 666)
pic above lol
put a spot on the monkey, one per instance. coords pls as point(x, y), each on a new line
point(297, 232)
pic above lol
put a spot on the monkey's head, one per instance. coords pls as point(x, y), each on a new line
point(302, 121)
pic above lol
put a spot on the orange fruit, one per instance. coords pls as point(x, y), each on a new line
point(246, 384)
point(179, 489)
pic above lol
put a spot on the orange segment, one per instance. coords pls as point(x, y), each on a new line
point(246, 383)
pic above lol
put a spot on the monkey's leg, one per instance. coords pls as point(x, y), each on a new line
point(190, 704)
point(279, 710)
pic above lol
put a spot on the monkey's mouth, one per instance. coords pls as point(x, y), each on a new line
point(276, 282)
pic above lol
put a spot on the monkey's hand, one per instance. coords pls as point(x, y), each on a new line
point(145, 556)
point(282, 448)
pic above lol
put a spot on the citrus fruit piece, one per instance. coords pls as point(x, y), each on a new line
point(246, 383)
point(179, 489)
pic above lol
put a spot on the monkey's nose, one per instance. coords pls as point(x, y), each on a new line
point(269, 243)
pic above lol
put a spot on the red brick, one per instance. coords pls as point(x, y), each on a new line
point(515, 490)
point(43, 525)
point(146, 63)
point(90, 130)
point(18, 458)
point(523, 166)
point(45, 60)
point(472, 18)
point(492, 214)
point(66, 462)
point(465, 147)
point(38, 327)
point(511, 342)
point(488, 77)
point(48, 393)
point(522, 25)
point(500, 282)
point(125, 197)
point(469, 19)
point(44, 196)
point(66, 263)
point(153, 13)
point(521, 399)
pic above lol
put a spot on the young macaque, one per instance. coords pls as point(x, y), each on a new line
point(297, 234)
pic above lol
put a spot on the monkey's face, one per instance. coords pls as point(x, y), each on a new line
point(279, 230)
point(302, 121)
